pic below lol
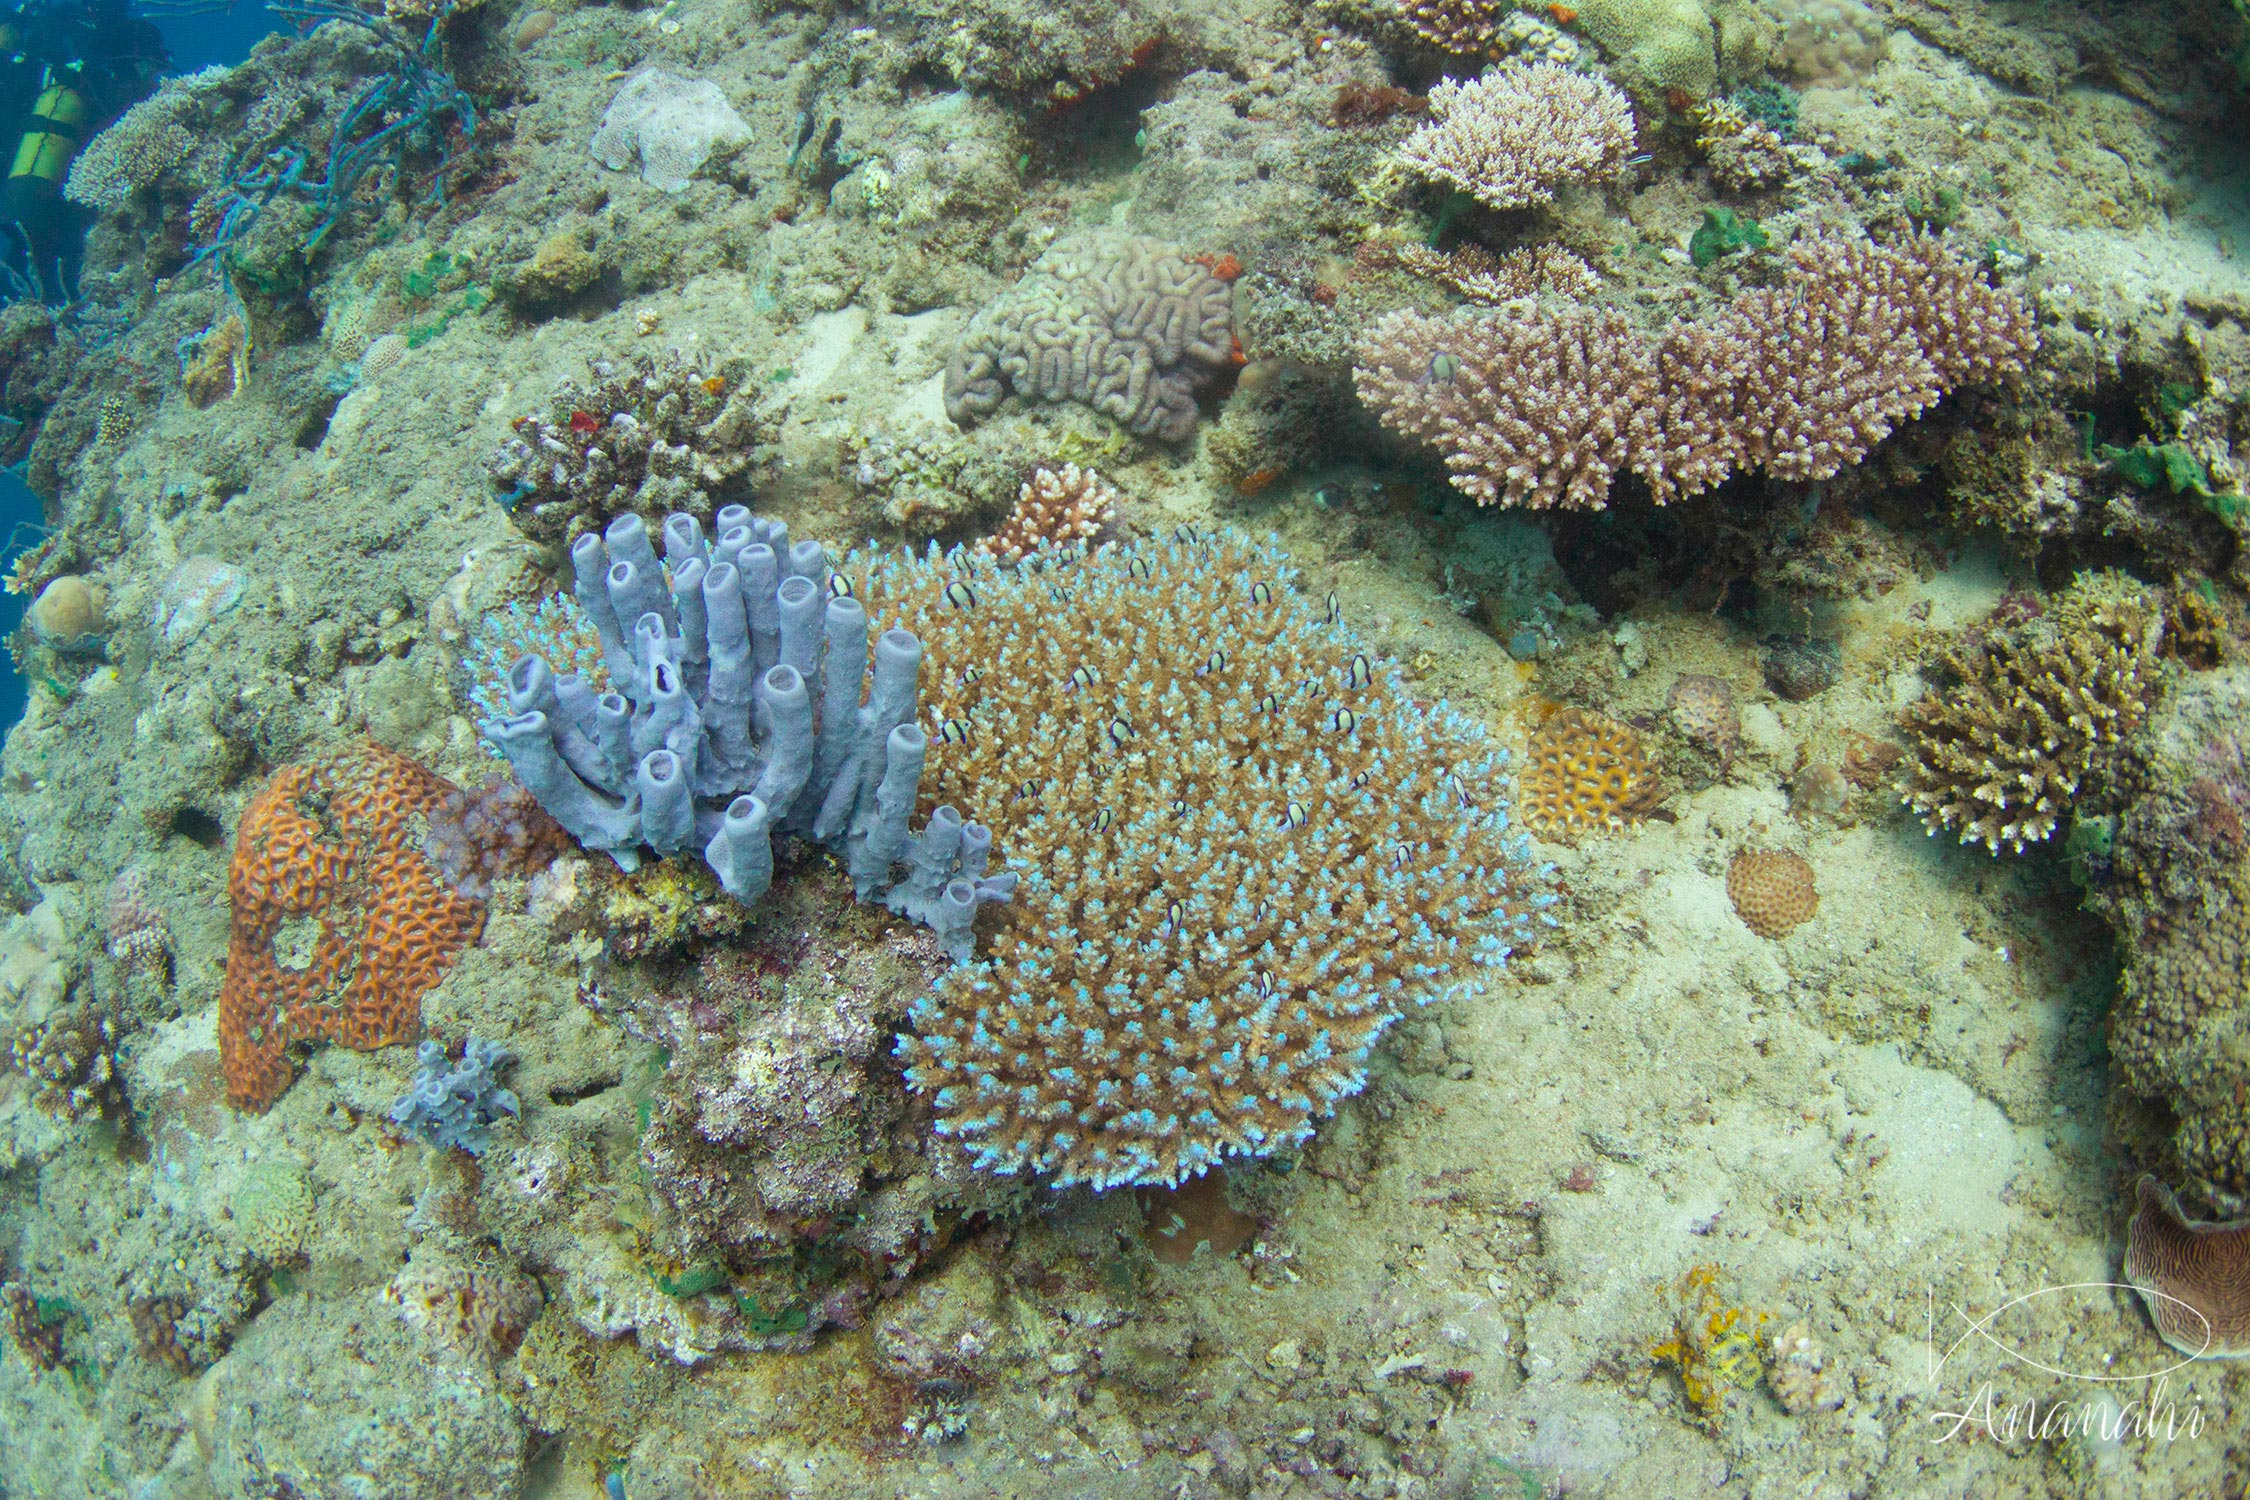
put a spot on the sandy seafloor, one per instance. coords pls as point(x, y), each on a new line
point(1901, 1112)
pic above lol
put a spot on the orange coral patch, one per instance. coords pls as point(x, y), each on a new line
point(340, 926)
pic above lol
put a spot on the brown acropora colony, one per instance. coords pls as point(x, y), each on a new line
point(340, 925)
point(1997, 757)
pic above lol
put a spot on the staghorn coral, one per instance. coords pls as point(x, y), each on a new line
point(1488, 28)
point(672, 125)
point(1120, 323)
point(1533, 407)
point(1772, 891)
point(1582, 774)
point(339, 923)
point(2193, 1277)
point(1998, 757)
point(1745, 154)
point(1482, 276)
point(1513, 136)
point(1056, 508)
point(1245, 852)
point(644, 436)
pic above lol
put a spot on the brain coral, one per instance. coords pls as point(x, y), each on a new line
point(2195, 1277)
point(1123, 324)
point(1998, 757)
point(339, 923)
point(1584, 774)
point(1244, 850)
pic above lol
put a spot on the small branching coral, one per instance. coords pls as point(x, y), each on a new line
point(1512, 137)
point(1245, 852)
point(643, 436)
point(1998, 757)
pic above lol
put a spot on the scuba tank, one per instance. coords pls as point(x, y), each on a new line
point(52, 132)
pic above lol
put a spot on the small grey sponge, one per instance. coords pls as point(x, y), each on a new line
point(450, 1106)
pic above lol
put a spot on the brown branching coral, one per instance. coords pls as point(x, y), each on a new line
point(36, 1328)
point(1061, 507)
point(1513, 136)
point(1998, 756)
point(1584, 774)
point(644, 435)
point(340, 925)
point(1537, 408)
point(1483, 276)
point(2194, 1277)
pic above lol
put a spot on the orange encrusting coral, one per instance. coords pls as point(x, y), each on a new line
point(333, 841)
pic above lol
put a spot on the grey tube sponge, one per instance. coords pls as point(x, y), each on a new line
point(738, 712)
point(449, 1106)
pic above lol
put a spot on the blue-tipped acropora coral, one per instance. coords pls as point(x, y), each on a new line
point(554, 628)
point(1245, 851)
point(736, 669)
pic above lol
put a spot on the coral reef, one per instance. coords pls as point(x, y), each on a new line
point(1488, 28)
point(1538, 408)
point(70, 1062)
point(468, 1311)
point(453, 1107)
point(36, 1329)
point(1799, 1372)
point(763, 1126)
point(1056, 508)
point(1998, 757)
point(134, 929)
point(1745, 154)
point(272, 1210)
point(1483, 276)
point(671, 762)
point(339, 924)
point(672, 125)
point(70, 614)
point(2193, 1277)
point(1245, 852)
point(1772, 891)
point(494, 832)
point(1703, 710)
point(1120, 323)
point(1514, 135)
point(1584, 773)
point(643, 436)
point(144, 143)
point(1713, 1345)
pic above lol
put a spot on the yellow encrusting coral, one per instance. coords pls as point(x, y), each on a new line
point(1245, 851)
point(1584, 774)
point(1713, 1345)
